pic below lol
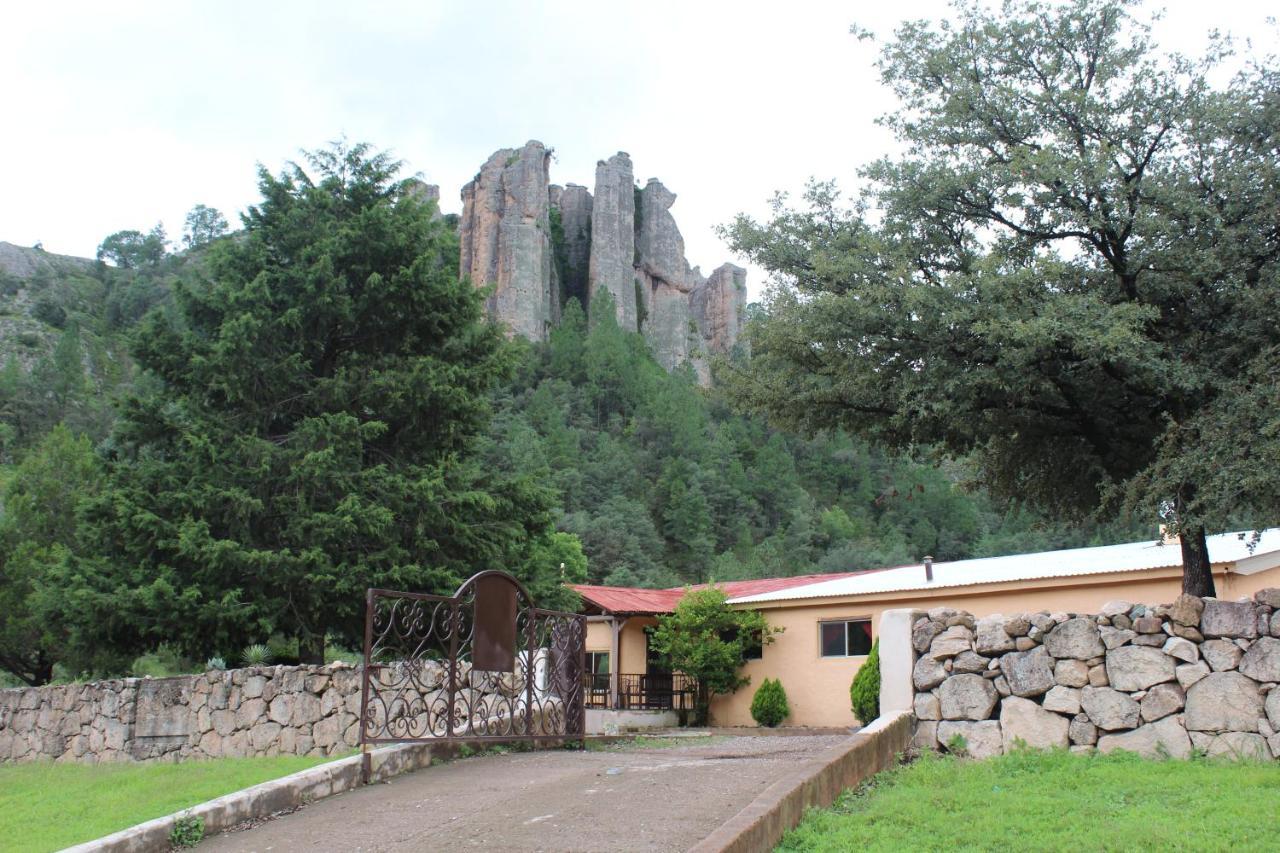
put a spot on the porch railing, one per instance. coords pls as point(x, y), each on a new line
point(644, 692)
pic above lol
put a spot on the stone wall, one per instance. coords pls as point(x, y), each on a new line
point(302, 710)
point(1199, 674)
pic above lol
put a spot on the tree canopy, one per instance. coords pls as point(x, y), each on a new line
point(305, 428)
point(1069, 276)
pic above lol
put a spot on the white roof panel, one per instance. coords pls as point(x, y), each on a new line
point(1130, 557)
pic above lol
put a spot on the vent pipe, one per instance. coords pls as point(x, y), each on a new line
point(928, 569)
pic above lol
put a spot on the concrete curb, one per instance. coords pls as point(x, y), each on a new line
point(759, 826)
point(287, 792)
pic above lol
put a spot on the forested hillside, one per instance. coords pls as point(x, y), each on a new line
point(660, 480)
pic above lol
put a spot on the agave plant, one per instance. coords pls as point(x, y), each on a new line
point(256, 655)
point(215, 663)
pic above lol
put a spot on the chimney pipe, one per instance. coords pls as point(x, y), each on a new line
point(928, 569)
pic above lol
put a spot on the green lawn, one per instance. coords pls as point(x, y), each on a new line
point(1053, 801)
point(45, 806)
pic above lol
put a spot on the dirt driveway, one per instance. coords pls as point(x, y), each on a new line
point(622, 798)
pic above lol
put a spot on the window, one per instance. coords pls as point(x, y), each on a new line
point(754, 648)
point(598, 663)
point(847, 638)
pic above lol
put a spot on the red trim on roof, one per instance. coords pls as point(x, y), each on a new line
point(635, 600)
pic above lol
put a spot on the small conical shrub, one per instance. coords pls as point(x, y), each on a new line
point(769, 705)
point(864, 692)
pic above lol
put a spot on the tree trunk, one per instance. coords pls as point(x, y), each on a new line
point(1197, 572)
point(311, 649)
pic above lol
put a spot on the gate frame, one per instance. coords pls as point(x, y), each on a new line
point(574, 729)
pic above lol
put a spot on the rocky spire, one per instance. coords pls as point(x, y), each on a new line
point(613, 238)
point(720, 307)
point(505, 232)
point(575, 205)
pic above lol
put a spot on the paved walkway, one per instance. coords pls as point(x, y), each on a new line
point(622, 798)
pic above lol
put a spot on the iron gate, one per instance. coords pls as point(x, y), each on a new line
point(482, 664)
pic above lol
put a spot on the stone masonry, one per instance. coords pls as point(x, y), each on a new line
point(278, 710)
point(1161, 681)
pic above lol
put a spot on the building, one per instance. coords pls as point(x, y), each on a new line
point(828, 620)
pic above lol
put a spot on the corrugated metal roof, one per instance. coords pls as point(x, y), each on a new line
point(1130, 557)
point(626, 599)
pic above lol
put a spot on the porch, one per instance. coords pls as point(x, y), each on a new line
point(639, 691)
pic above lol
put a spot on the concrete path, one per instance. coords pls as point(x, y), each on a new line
point(622, 798)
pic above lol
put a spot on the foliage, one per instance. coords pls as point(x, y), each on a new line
point(203, 225)
point(188, 831)
point(769, 706)
point(215, 663)
point(37, 531)
point(1070, 275)
point(49, 806)
point(305, 429)
point(1035, 799)
point(706, 639)
point(133, 249)
point(864, 690)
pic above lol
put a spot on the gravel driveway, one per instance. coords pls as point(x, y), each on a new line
point(622, 798)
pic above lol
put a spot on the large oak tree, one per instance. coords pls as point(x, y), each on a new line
point(1070, 273)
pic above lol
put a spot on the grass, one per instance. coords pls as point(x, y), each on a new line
point(46, 806)
point(1052, 801)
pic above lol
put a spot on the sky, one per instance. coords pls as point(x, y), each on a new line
point(124, 114)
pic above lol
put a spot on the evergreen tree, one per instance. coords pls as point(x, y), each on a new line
point(307, 429)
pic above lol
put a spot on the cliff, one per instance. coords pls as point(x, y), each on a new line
point(539, 245)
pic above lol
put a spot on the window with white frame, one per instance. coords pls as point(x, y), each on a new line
point(845, 638)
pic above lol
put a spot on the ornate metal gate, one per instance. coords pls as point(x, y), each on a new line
point(483, 664)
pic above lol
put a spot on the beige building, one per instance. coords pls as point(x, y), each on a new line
point(828, 620)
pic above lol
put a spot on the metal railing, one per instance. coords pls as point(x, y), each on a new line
point(641, 691)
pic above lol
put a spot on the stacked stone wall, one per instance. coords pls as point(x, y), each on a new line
point(281, 710)
point(1170, 680)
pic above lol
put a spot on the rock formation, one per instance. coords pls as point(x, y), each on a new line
point(541, 245)
point(506, 239)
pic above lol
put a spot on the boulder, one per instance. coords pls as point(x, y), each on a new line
point(1109, 709)
point(1023, 721)
point(1151, 641)
point(965, 619)
point(928, 673)
point(969, 662)
point(967, 697)
point(1187, 633)
point(991, 638)
point(1262, 661)
point(952, 642)
point(1165, 737)
point(1269, 596)
point(1017, 626)
point(1223, 701)
point(1025, 644)
point(1114, 638)
point(1239, 746)
point(1029, 673)
point(1077, 639)
point(1229, 619)
point(923, 632)
point(1063, 700)
point(1147, 625)
point(1183, 650)
point(1002, 686)
point(1161, 701)
point(1082, 731)
point(1186, 610)
point(981, 739)
point(926, 707)
point(926, 735)
point(1098, 676)
point(1189, 673)
point(1221, 655)
point(1114, 608)
point(1274, 624)
point(1138, 667)
point(1273, 709)
point(1071, 673)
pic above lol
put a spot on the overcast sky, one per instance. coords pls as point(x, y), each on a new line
point(122, 114)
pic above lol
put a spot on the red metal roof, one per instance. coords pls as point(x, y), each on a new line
point(629, 599)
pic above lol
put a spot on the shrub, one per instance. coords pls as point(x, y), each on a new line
point(215, 663)
point(256, 655)
point(864, 692)
point(769, 705)
point(187, 831)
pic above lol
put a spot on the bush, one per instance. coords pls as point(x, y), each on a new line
point(769, 705)
point(864, 692)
